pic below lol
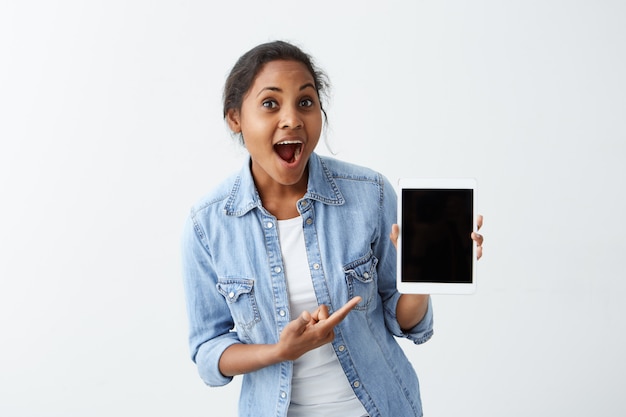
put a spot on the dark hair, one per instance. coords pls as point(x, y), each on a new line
point(249, 64)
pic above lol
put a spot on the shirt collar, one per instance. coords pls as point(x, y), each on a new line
point(321, 187)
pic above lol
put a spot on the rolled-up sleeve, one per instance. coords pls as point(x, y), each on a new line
point(418, 334)
point(210, 322)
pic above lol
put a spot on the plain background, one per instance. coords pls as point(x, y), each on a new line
point(111, 127)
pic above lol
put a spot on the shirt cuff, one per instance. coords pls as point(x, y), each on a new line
point(421, 332)
point(208, 358)
point(424, 329)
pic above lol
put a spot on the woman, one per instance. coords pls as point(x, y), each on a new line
point(289, 267)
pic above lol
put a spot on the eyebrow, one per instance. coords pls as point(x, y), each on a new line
point(271, 88)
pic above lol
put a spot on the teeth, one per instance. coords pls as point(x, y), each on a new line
point(297, 149)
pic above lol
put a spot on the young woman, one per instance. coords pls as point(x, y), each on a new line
point(289, 267)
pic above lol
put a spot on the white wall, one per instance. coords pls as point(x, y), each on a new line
point(110, 128)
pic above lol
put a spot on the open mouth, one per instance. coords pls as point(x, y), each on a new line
point(289, 151)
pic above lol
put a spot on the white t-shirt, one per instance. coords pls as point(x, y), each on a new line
point(319, 386)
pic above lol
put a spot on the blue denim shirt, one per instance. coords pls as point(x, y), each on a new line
point(236, 291)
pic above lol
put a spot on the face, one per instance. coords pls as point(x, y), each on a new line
point(280, 121)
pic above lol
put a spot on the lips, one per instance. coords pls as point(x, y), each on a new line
point(289, 150)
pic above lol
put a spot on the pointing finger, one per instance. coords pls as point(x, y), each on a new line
point(342, 312)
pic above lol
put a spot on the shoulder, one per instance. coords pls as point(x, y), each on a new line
point(343, 170)
point(356, 184)
point(216, 198)
point(353, 175)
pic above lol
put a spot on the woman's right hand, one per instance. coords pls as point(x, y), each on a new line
point(311, 330)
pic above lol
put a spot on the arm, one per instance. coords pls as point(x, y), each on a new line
point(210, 321)
point(241, 358)
point(401, 317)
point(411, 309)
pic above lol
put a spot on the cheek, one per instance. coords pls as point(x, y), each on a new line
point(313, 121)
point(253, 130)
point(256, 137)
point(316, 127)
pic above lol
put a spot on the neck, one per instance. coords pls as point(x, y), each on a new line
point(280, 199)
point(281, 203)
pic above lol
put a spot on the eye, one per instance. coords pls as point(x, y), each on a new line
point(269, 104)
point(307, 102)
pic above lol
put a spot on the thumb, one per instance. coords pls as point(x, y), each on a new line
point(395, 232)
point(304, 320)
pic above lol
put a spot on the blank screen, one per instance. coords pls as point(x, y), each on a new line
point(436, 229)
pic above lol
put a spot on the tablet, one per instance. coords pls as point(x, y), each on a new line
point(436, 254)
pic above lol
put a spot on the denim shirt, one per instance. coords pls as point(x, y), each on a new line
point(236, 290)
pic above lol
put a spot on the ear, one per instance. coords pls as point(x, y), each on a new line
point(234, 120)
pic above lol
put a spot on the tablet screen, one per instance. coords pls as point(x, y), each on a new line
point(436, 247)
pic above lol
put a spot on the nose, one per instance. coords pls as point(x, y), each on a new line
point(290, 118)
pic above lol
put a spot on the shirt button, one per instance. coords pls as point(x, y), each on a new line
point(356, 384)
point(366, 275)
point(316, 266)
point(269, 225)
point(309, 221)
point(283, 394)
point(282, 313)
point(342, 348)
point(277, 269)
point(231, 295)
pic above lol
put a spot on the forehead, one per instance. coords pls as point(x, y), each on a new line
point(282, 72)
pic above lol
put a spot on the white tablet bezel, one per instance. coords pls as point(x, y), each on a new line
point(435, 287)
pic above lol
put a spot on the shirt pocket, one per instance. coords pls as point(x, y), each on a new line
point(361, 279)
point(239, 295)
